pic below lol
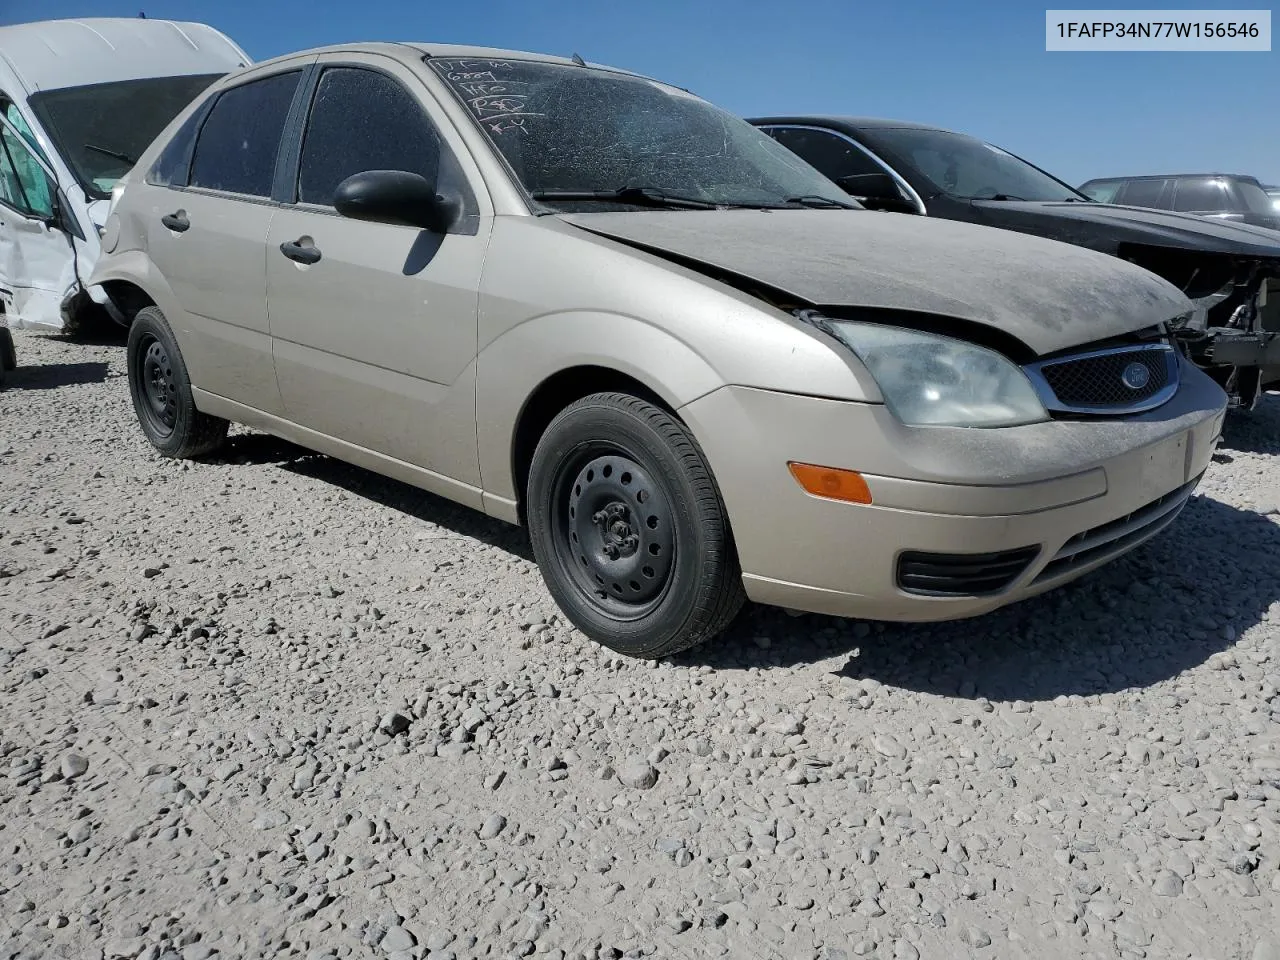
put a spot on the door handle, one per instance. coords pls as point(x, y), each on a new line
point(300, 251)
point(177, 222)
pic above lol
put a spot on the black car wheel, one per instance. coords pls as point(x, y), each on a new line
point(629, 528)
point(161, 391)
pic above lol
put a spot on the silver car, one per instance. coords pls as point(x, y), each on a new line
point(592, 303)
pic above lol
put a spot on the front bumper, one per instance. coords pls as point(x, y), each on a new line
point(1079, 492)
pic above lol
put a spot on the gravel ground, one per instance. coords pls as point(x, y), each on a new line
point(276, 706)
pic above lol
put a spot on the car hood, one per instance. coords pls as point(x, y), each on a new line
point(1049, 295)
point(1143, 224)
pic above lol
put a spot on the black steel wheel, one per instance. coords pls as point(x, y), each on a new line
point(158, 388)
point(629, 528)
point(161, 391)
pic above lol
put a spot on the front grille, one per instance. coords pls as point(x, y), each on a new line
point(1116, 537)
point(1120, 380)
point(961, 574)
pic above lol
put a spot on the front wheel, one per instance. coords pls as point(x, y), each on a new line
point(161, 391)
point(629, 528)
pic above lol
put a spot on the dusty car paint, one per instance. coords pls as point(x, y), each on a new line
point(438, 368)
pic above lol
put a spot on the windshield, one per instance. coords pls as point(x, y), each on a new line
point(1255, 198)
point(569, 130)
point(102, 129)
point(967, 168)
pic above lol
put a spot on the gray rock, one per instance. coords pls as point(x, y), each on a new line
point(73, 765)
point(637, 773)
point(493, 825)
point(1167, 884)
point(397, 939)
point(393, 724)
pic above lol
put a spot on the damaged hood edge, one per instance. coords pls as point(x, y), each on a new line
point(1050, 296)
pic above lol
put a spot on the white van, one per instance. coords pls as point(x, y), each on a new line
point(79, 102)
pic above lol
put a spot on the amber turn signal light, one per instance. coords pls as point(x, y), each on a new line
point(830, 482)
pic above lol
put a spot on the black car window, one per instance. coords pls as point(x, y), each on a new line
point(1255, 198)
point(363, 120)
point(237, 147)
point(1202, 195)
point(1142, 193)
point(832, 155)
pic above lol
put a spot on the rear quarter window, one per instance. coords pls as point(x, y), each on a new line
point(174, 163)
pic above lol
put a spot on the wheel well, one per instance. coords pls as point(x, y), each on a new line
point(128, 298)
point(553, 395)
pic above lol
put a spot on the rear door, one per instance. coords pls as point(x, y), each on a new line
point(207, 233)
point(375, 341)
point(36, 263)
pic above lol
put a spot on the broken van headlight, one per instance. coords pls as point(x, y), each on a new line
point(928, 380)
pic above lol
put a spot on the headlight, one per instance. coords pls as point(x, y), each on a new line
point(936, 381)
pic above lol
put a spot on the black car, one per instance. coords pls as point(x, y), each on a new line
point(1222, 266)
point(1229, 196)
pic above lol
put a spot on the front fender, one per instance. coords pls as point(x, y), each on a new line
point(511, 368)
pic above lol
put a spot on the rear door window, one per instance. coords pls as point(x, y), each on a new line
point(1201, 195)
point(1143, 193)
point(237, 147)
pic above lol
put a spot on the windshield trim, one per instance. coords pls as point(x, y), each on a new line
point(887, 146)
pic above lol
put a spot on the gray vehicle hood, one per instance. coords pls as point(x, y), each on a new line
point(1051, 296)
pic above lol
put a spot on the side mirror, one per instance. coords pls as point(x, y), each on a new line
point(395, 196)
point(877, 191)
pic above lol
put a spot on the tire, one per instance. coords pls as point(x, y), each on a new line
point(645, 589)
point(8, 355)
point(161, 391)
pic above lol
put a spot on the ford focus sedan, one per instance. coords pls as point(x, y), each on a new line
point(592, 303)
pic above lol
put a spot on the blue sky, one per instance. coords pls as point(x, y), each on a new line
point(976, 67)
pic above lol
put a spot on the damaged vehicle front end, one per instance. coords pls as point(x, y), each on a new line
point(1229, 270)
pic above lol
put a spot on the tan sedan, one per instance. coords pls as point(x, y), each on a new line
point(594, 303)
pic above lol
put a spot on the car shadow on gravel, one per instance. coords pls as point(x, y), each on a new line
point(1147, 617)
point(50, 376)
point(1257, 431)
point(262, 449)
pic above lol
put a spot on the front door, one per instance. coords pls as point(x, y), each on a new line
point(375, 340)
point(37, 265)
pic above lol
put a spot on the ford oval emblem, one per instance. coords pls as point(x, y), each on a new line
point(1135, 376)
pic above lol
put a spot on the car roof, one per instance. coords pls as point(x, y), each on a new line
point(448, 51)
point(52, 54)
point(1181, 176)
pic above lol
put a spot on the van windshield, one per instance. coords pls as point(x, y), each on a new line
point(101, 129)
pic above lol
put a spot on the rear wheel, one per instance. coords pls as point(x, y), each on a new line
point(161, 391)
point(629, 528)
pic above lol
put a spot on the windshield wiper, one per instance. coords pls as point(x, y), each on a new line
point(639, 196)
point(124, 157)
point(1003, 196)
point(820, 203)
